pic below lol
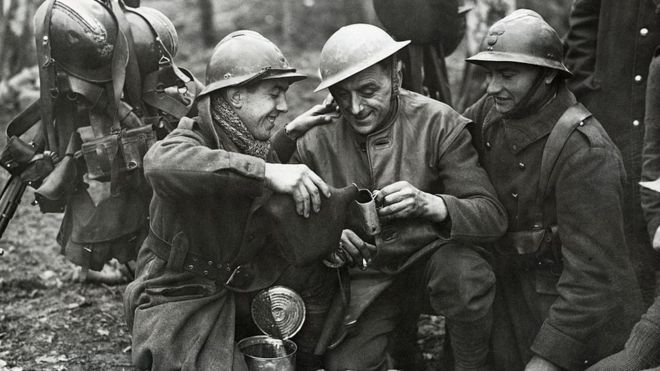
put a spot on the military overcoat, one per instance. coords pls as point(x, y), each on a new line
point(579, 305)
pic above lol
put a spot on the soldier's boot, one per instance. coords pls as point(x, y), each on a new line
point(470, 343)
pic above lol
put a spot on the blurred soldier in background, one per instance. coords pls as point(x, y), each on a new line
point(609, 48)
point(566, 292)
point(109, 89)
point(210, 247)
point(435, 203)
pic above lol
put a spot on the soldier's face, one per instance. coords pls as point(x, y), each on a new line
point(508, 83)
point(364, 98)
point(261, 104)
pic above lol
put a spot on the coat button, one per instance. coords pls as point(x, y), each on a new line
point(638, 78)
point(581, 123)
point(514, 195)
point(635, 122)
point(488, 145)
point(644, 31)
point(521, 166)
point(514, 147)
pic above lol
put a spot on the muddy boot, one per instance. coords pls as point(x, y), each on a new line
point(470, 343)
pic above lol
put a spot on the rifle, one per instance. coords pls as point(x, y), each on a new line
point(9, 200)
point(24, 161)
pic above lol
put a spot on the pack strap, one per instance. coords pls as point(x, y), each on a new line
point(48, 90)
point(573, 117)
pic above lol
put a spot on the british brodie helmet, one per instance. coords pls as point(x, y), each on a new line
point(352, 49)
point(523, 37)
point(245, 56)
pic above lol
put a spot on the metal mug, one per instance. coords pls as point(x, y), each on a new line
point(264, 353)
point(367, 210)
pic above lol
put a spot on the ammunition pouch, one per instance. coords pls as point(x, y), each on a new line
point(533, 249)
point(101, 153)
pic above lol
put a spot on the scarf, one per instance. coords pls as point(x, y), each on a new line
point(229, 122)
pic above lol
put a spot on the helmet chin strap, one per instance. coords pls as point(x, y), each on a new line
point(526, 106)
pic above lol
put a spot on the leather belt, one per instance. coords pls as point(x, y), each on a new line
point(194, 263)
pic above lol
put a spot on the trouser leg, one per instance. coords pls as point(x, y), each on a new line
point(365, 346)
point(461, 287)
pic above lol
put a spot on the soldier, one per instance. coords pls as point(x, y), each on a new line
point(109, 88)
point(209, 248)
point(609, 48)
point(435, 201)
point(567, 294)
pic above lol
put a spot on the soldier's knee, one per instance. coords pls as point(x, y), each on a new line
point(460, 282)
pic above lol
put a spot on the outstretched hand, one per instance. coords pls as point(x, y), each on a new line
point(320, 114)
point(299, 181)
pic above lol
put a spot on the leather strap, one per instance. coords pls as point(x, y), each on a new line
point(191, 262)
point(573, 117)
point(46, 77)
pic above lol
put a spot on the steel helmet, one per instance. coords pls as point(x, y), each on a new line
point(244, 56)
point(83, 36)
point(152, 31)
point(523, 37)
point(352, 49)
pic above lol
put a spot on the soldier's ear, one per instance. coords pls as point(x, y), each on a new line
point(234, 97)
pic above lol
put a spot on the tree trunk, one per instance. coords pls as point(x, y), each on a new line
point(287, 21)
point(206, 22)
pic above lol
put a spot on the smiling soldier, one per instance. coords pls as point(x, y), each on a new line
point(436, 204)
point(566, 295)
point(209, 242)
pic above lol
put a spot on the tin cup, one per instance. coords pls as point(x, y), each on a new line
point(264, 353)
point(367, 210)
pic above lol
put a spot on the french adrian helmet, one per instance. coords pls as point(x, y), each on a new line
point(522, 37)
point(82, 36)
point(352, 49)
point(245, 56)
point(154, 37)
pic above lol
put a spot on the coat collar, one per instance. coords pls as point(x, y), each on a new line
point(522, 132)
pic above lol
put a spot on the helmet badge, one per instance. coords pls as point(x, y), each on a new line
point(492, 38)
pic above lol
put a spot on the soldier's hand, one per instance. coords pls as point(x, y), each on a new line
point(403, 200)
point(656, 240)
point(357, 252)
point(299, 181)
point(540, 364)
point(320, 114)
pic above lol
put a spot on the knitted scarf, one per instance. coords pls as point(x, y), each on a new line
point(229, 122)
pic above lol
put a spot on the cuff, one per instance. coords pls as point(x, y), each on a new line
point(559, 348)
point(283, 145)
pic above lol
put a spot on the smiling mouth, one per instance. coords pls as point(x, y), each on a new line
point(362, 118)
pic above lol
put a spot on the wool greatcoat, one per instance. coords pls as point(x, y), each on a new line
point(427, 144)
point(206, 215)
point(610, 45)
point(577, 303)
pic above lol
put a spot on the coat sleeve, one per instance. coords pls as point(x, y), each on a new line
point(651, 152)
point(596, 273)
point(182, 165)
point(581, 43)
point(474, 211)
